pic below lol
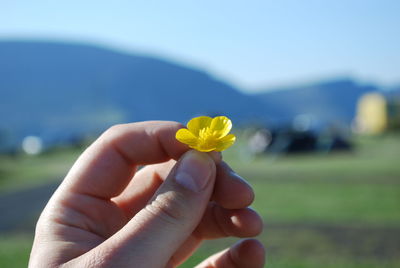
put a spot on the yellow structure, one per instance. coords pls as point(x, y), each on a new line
point(372, 114)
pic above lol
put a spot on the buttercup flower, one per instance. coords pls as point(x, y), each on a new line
point(207, 134)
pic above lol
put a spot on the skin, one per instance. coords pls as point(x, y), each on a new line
point(107, 214)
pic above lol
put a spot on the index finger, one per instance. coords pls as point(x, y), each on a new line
point(107, 166)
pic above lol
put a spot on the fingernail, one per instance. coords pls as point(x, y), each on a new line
point(194, 170)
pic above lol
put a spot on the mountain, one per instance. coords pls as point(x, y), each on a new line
point(329, 101)
point(59, 90)
point(63, 91)
point(393, 92)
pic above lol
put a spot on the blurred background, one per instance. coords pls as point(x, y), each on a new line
point(312, 87)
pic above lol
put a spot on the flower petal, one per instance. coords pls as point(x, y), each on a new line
point(198, 123)
point(203, 148)
point(220, 126)
point(185, 136)
point(225, 142)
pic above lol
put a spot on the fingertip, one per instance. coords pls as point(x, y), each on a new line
point(246, 222)
point(247, 192)
point(172, 147)
point(231, 190)
point(248, 253)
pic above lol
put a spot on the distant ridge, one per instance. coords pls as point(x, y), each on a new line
point(63, 91)
point(58, 91)
point(328, 101)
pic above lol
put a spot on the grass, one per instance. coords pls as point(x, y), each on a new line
point(360, 187)
point(24, 171)
point(329, 203)
point(14, 250)
point(339, 210)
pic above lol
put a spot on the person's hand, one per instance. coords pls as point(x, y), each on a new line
point(107, 214)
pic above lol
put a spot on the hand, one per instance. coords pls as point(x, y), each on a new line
point(107, 214)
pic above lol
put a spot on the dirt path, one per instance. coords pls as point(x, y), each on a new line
point(19, 212)
point(311, 239)
point(21, 209)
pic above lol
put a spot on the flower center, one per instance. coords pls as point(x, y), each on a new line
point(207, 138)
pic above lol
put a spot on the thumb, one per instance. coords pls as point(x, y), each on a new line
point(158, 230)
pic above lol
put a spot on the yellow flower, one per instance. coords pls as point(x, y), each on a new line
point(207, 134)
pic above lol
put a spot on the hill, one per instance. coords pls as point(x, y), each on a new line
point(327, 101)
point(63, 91)
point(58, 90)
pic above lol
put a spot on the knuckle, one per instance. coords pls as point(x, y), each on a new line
point(114, 130)
point(114, 133)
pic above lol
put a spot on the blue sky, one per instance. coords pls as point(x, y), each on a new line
point(252, 44)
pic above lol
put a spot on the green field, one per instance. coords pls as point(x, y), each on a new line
point(338, 210)
point(24, 171)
